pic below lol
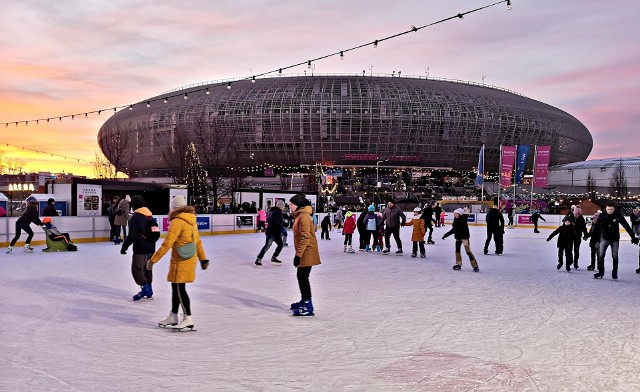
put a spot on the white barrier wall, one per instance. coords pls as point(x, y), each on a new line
point(83, 229)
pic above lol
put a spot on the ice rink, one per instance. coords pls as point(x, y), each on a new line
point(383, 323)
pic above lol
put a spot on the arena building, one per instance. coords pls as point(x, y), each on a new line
point(339, 120)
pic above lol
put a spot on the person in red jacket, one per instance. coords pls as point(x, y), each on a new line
point(348, 229)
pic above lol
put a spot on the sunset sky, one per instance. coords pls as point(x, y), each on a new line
point(67, 57)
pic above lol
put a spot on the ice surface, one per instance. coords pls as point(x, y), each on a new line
point(383, 323)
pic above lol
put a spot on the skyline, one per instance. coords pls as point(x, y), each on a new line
point(579, 57)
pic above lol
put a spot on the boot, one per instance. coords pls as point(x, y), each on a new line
point(147, 290)
point(350, 249)
point(305, 308)
point(28, 248)
point(275, 260)
point(185, 324)
point(258, 262)
point(414, 254)
point(169, 321)
point(345, 249)
point(10, 248)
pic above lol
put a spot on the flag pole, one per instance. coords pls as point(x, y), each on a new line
point(533, 180)
point(515, 180)
point(482, 187)
point(499, 177)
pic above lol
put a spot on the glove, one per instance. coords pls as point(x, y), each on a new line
point(149, 265)
point(444, 236)
point(296, 261)
point(204, 264)
point(123, 252)
point(548, 239)
point(634, 241)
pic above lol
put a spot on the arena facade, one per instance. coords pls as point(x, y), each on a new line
point(342, 121)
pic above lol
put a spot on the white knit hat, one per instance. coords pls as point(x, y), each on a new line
point(458, 211)
point(178, 202)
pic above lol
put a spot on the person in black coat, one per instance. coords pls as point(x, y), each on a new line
point(437, 210)
point(362, 230)
point(50, 209)
point(534, 219)
point(29, 216)
point(495, 228)
point(609, 224)
point(460, 231)
point(273, 233)
point(427, 216)
point(580, 231)
point(565, 234)
point(594, 240)
point(325, 226)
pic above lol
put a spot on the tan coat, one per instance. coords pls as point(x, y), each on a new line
point(182, 230)
point(418, 229)
point(123, 219)
point(304, 237)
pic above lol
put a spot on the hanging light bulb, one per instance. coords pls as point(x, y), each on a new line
point(114, 110)
point(460, 16)
point(375, 43)
point(280, 71)
point(229, 86)
point(341, 55)
point(253, 79)
point(185, 96)
point(208, 92)
point(166, 100)
point(130, 107)
point(309, 64)
point(148, 104)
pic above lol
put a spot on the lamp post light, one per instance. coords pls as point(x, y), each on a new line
point(378, 172)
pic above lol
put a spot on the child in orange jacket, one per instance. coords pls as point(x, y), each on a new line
point(419, 231)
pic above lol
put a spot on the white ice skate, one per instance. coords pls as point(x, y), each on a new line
point(185, 325)
point(9, 249)
point(350, 249)
point(170, 321)
point(28, 248)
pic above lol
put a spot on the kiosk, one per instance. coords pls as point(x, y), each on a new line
point(62, 206)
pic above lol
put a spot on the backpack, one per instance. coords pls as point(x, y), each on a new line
point(151, 231)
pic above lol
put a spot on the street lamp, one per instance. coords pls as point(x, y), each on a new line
point(378, 171)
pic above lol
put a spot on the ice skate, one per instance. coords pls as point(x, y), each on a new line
point(28, 248)
point(430, 242)
point(386, 251)
point(345, 249)
point(423, 255)
point(559, 266)
point(169, 321)
point(185, 325)
point(145, 292)
point(399, 252)
point(274, 260)
point(591, 268)
point(414, 254)
point(366, 249)
point(457, 267)
point(614, 274)
point(295, 305)
point(476, 269)
point(598, 276)
point(637, 271)
point(305, 308)
point(10, 248)
point(350, 249)
point(258, 262)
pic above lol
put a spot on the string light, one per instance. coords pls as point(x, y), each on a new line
point(148, 104)
point(229, 86)
point(185, 96)
point(340, 53)
point(208, 92)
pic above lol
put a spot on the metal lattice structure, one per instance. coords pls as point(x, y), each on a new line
point(347, 120)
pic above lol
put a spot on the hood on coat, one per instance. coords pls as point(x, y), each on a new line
point(306, 209)
point(144, 211)
point(186, 213)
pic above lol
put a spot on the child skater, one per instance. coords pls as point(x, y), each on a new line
point(594, 241)
point(348, 229)
point(442, 216)
point(460, 231)
point(565, 242)
point(380, 233)
point(55, 235)
point(371, 224)
point(418, 233)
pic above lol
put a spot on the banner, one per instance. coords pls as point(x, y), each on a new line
point(541, 171)
point(480, 175)
point(89, 200)
point(508, 158)
point(521, 162)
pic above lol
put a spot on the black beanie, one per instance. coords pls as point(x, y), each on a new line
point(137, 202)
point(299, 200)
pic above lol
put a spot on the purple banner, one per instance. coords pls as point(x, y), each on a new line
point(508, 159)
point(541, 171)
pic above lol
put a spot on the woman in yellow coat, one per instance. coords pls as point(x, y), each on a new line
point(182, 230)
point(306, 248)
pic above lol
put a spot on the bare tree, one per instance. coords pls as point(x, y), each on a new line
point(176, 154)
point(10, 165)
point(115, 147)
point(618, 183)
point(102, 168)
point(591, 185)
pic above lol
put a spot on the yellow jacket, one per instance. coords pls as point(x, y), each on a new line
point(182, 230)
point(304, 237)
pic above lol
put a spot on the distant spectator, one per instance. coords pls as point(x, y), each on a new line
point(50, 209)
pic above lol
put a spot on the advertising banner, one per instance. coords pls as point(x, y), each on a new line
point(89, 200)
point(541, 171)
point(203, 222)
point(508, 159)
point(480, 174)
point(521, 162)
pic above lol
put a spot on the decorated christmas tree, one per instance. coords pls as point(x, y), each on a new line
point(196, 179)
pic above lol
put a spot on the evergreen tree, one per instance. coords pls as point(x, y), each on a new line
point(196, 179)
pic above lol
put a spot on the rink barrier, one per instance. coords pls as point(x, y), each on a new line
point(97, 229)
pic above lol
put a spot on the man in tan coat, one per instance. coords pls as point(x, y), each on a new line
point(306, 248)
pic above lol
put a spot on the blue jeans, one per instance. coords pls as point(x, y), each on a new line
point(267, 244)
point(604, 244)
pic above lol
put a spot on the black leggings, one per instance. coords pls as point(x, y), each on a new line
point(19, 228)
point(179, 296)
point(303, 282)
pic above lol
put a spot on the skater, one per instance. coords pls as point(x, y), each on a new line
point(534, 219)
point(286, 220)
point(325, 225)
point(307, 254)
point(580, 231)
point(362, 231)
point(394, 218)
point(418, 233)
point(29, 216)
point(50, 209)
point(123, 213)
point(495, 228)
point(371, 224)
point(609, 224)
point(273, 233)
point(339, 218)
point(183, 232)
point(427, 216)
point(380, 232)
point(565, 242)
point(113, 206)
point(635, 226)
point(510, 214)
point(460, 231)
point(141, 236)
point(347, 230)
point(262, 220)
point(437, 210)
point(594, 241)
point(443, 215)
point(54, 234)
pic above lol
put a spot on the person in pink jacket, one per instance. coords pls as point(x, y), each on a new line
point(262, 220)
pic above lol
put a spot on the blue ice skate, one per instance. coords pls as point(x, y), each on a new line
point(305, 308)
point(145, 292)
